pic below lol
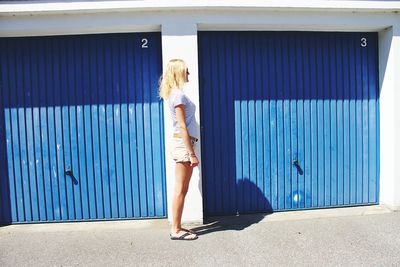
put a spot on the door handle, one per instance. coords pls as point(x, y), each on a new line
point(297, 165)
point(68, 172)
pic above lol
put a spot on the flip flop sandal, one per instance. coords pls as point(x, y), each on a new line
point(183, 237)
point(189, 230)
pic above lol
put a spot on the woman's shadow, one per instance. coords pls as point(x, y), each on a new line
point(251, 207)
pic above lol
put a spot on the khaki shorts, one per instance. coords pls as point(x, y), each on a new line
point(179, 152)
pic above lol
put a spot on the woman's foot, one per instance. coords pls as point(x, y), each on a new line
point(183, 235)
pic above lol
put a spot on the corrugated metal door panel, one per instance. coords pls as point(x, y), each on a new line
point(290, 120)
point(88, 105)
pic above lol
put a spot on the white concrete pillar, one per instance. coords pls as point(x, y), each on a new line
point(179, 40)
point(389, 72)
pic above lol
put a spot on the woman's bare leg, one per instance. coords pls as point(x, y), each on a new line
point(183, 173)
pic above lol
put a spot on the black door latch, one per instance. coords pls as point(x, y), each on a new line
point(68, 172)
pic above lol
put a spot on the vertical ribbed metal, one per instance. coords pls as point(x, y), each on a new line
point(290, 120)
point(89, 104)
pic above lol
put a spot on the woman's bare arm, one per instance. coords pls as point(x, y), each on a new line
point(180, 117)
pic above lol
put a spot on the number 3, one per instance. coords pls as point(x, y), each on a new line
point(144, 43)
point(363, 42)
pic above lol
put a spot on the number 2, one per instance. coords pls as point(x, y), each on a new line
point(144, 43)
point(363, 42)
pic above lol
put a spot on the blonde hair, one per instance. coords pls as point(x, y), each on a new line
point(173, 77)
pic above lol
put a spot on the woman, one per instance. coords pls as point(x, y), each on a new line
point(182, 113)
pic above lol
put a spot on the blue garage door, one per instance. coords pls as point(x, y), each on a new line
point(290, 120)
point(81, 128)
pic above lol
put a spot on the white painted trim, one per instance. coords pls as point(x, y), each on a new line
point(56, 7)
point(206, 20)
point(180, 41)
point(78, 24)
point(294, 21)
point(389, 63)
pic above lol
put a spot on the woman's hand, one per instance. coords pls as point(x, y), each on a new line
point(194, 162)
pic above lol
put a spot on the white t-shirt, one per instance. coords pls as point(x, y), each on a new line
point(176, 98)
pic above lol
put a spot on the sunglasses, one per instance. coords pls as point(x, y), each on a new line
point(187, 71)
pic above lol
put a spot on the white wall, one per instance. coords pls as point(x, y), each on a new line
point(396, 120)
point(205, 19)
point(179, 27)
point(179, 40)
point(389, 68)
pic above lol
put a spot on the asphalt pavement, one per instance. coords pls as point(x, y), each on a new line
point(363, 236)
